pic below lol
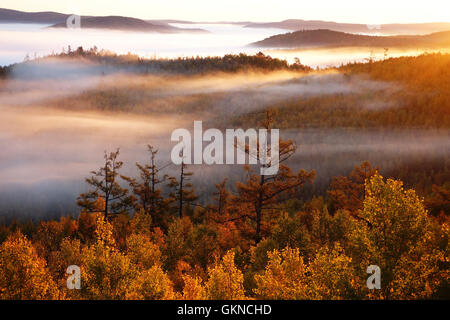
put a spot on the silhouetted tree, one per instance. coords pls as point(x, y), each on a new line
point(183, 191)
point(104, 185)
point(260, 191)
point(145, 187)
point(221, 196)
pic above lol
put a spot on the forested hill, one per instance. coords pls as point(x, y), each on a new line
point(386, 29)
point(103, 62)
point(425, 72)
point(58, 20)
point(422, 102)
point(329, 38)
point(128, 24)
point(15, 16)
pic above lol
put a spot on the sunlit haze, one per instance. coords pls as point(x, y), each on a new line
point(354, 11)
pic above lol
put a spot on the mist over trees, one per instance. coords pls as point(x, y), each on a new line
point(138, 243)
point(304, 253)
point(149, 235)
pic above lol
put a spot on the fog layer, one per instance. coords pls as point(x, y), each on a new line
point(56, 122)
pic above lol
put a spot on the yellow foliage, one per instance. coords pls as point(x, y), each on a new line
point(193, 289)
point(106, 272)
point(284, 276)
point(23, 274)
point(225, 280)
point(395, 233)
point(141, 222)
point(152, 284)
point(142, 251)
point(331, 275)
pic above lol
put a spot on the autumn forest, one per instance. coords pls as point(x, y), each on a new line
point(364, 179)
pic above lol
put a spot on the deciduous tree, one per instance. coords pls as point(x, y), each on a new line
point(23, 274)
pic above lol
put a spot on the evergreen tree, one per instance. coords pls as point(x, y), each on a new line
point(105, 185)
point(260, 191)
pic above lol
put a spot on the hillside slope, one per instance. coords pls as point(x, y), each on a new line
point(14, 16)
point(386, 29)
point(329, 38)
point(58, 20)
point(127, 24)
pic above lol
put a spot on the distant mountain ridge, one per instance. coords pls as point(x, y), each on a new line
point(58, 20)
point(128, 24)
point(48, 17)
point(329, 38)
point(242, 23)
point(387, 29)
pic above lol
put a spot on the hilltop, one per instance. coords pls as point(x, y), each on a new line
point(48, 17)
point(386, 29)
point(329, 38)
point(58, 20)
point(127, 24)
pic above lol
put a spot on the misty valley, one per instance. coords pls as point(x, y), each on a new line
point(220, 155)
point(60, 113)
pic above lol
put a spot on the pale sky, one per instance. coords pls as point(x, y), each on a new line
point(354, 11)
